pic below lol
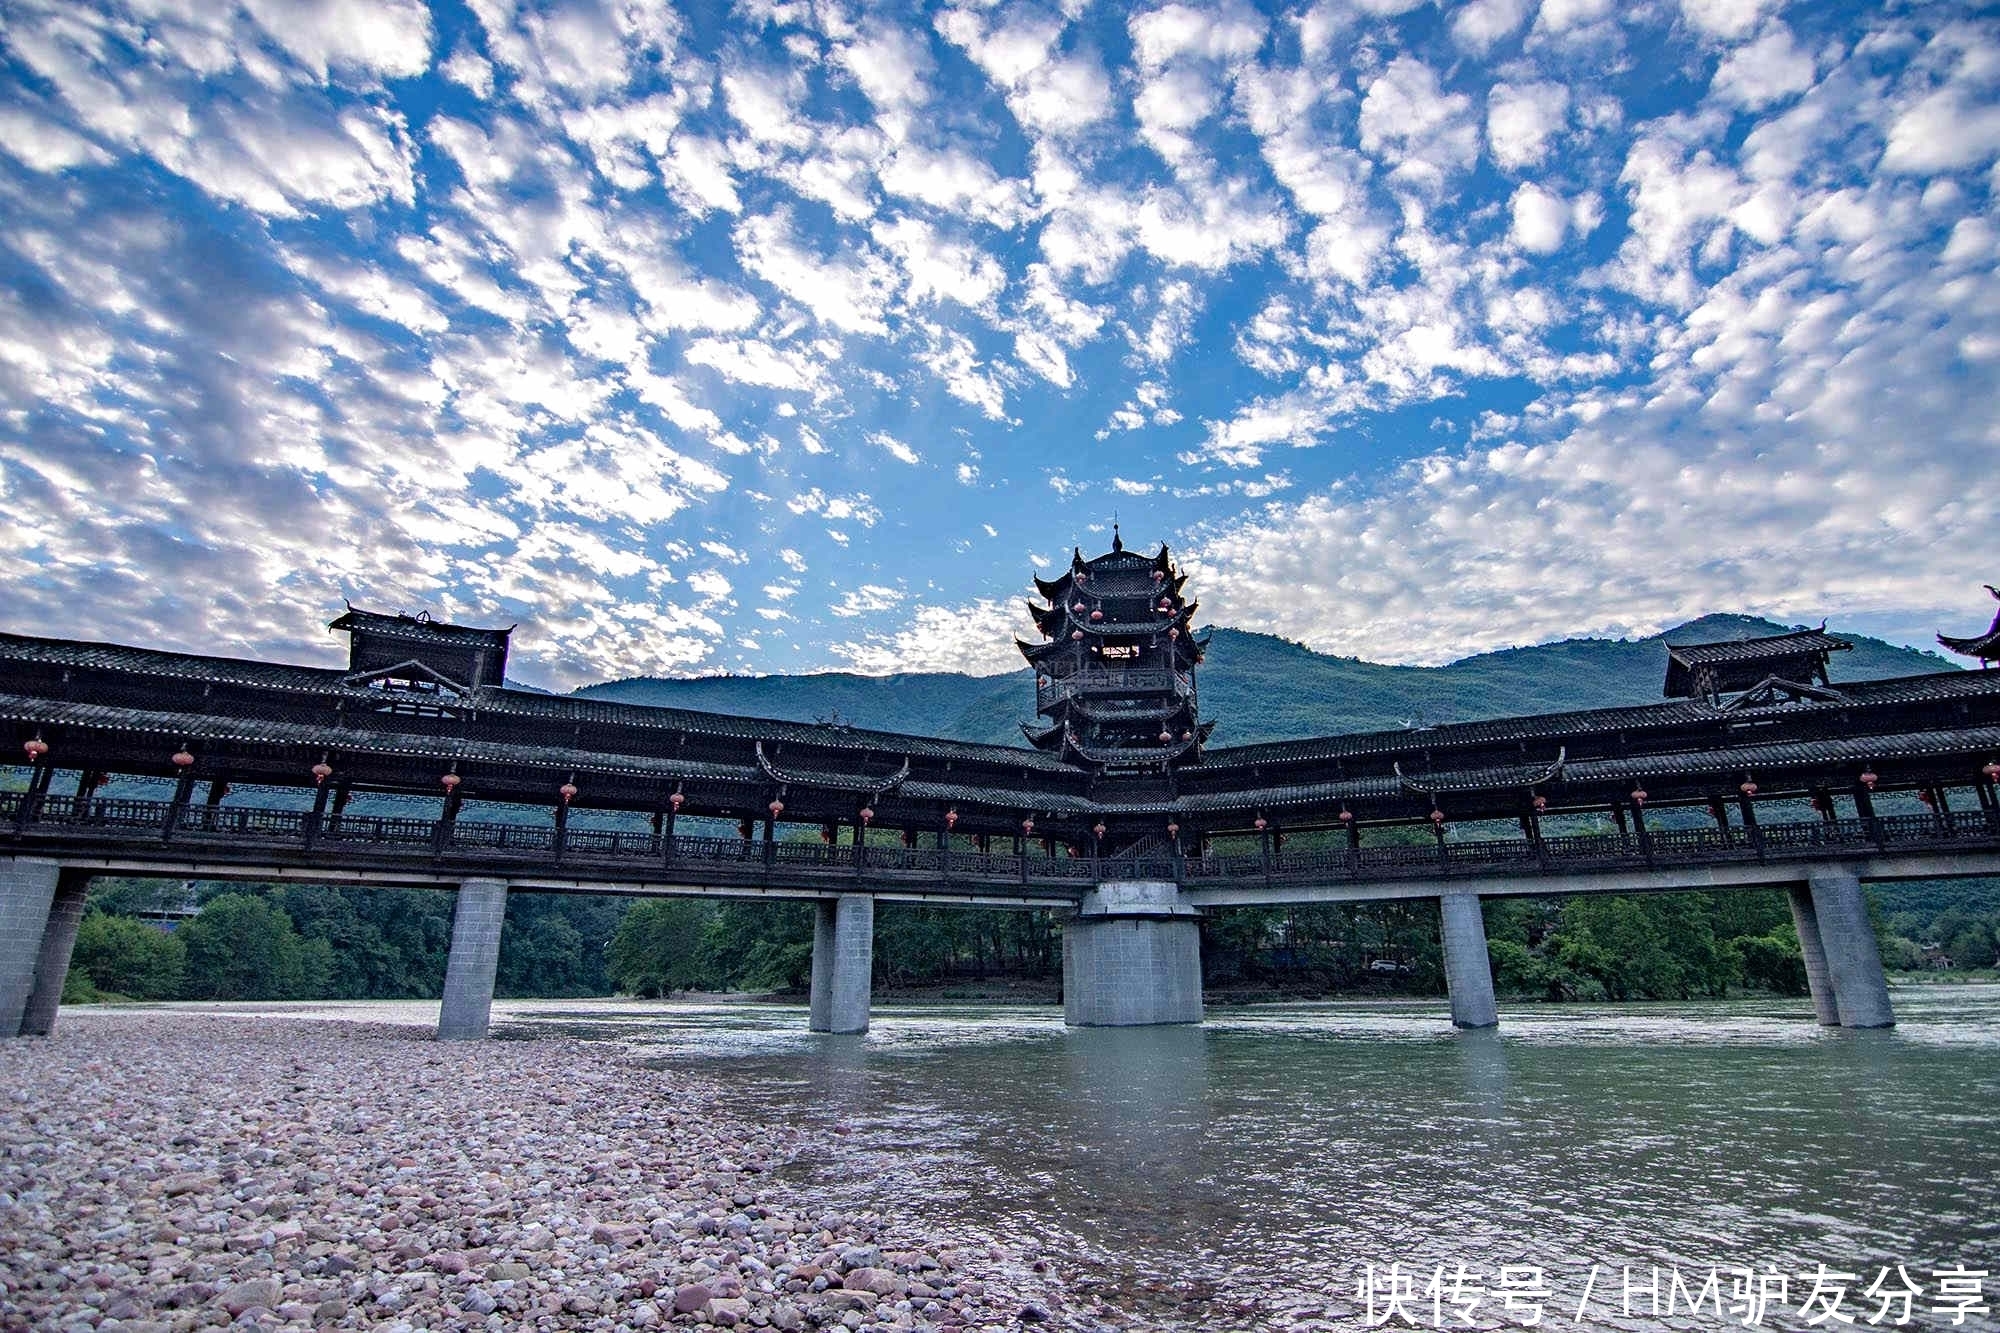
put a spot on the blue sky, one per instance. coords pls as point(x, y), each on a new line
point(779, 337)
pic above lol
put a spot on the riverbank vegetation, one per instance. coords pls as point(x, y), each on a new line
point(155, 940)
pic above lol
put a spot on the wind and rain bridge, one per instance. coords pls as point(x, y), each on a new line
point(418, 766)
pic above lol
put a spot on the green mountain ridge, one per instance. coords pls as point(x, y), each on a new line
point(1264, 688)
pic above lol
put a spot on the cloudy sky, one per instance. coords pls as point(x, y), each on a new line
point(780, 336)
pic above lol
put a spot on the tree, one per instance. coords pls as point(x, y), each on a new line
point(121, 956)
point(244, 948)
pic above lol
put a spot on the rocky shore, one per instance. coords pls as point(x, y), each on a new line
point(165, 1171)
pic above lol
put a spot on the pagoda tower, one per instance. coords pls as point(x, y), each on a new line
point(1114, 675)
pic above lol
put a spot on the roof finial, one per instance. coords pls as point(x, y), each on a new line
point(1117, 542)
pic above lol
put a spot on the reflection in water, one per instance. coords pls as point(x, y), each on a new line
point(1215, 1175)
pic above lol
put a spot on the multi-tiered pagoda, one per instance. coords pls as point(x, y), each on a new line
point(1114, 675)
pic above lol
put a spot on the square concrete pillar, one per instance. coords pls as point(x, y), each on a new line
point(476, 923)
point(1468, 969)
point(52, 963)
point(819, 1015)
point(1819, 982)
point(1853, 959)
point(1132, 958)
point(27, 890)
point(851, 983)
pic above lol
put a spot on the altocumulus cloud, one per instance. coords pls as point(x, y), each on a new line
point(1420, 330)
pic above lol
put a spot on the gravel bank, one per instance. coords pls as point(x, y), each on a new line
point(164, 1171)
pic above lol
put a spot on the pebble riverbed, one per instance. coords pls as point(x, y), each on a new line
point(164, 1170)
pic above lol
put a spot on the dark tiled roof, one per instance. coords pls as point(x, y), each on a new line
point(521, 703)
point(1757, 650)
point(418, 627)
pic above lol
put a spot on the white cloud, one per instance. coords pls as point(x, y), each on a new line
point(1522, 119)
point(1540, 219)
point(1409, 122)
point(975, 638)
point(1765, 71)
point(1482, 24)
point(893, 447)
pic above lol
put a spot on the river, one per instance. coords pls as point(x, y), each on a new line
point(1245, 1173)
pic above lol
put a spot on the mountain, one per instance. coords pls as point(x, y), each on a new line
point(1263, 688)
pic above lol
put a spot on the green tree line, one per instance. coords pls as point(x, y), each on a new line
point(327, 942)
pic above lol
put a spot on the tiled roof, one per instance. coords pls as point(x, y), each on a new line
point(1756, 650)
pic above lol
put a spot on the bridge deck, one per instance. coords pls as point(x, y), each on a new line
point(135, 835)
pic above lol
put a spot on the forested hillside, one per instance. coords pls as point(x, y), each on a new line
point(1262, 688)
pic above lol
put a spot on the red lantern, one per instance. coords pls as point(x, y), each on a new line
point(674, 802)
point(950, 820)
point(867, 815)
point(1159, 575)
point(321, 772)
point(1097, 615)
point(450, 782)
point(1098, 828)
point(1166, 605)
point(1075, 635)
point(1346, 815)
point(1869, 779)
point(776, 808)
point(1992, 771)
point(1173, 830)
point(182, 759)
point(567, 791)
point(1747, 787)
point(1081, 576)
point(35, 749)
point(1541, 804)
point(1173, 633)
point(1437, 819)
point(1187, 735)
point(1259, 824)
point(1028, 824)
point(1166, 736)
point(1638, 796)
point(1078, 607)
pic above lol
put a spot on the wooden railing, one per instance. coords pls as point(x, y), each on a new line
point(163, 831)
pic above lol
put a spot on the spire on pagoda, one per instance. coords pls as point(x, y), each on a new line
point(1114, 673)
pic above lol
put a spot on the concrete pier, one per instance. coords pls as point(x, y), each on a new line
point(1819, 981)
point(52, 963)
point(1853, 959)
point(475, 958)
point(843, 965)
point(1468, 970)
point(27, 889)
point(1132, 958)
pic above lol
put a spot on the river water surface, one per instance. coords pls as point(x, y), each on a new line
point(1246, 1171)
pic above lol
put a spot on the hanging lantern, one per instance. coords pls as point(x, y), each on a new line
point(567, 791)
point(1639, 796)
point(1075, 635)
point(1437, 819)
point(1187, 735)
point(1098, 828)
point(321, 772)
point(950, 820)
point(1079, 608)
point(1097, 615)
point(450, 782)
point(1259, 824)
point(1926, 797)
point(1028, 824)
point(35, 749)
point(674, 802)
point(1817, 804)
point(1081, 575)
point(1992, 770)
point(1869, 779)
point(867, 815)
point(1346, 815)
point(182, 759)
point(1747, 787)
point(776, 808)
point(1166, 736)
point(1159, 575)
point(1541, 804)
point(1173, 633)
point(1173, 830)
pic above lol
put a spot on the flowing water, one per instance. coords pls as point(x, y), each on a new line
point(1246, 1172)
